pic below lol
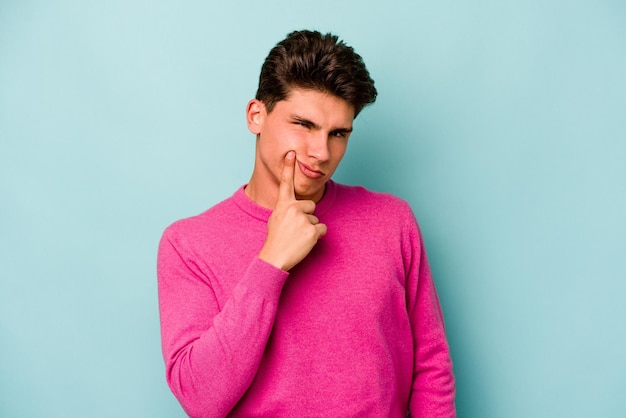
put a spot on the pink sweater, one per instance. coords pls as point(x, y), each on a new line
point(355, 329)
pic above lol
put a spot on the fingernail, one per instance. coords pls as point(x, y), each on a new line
point(290, 155)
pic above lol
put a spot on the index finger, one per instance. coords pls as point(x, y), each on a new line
point(286, 191)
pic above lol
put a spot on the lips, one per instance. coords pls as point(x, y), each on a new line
point(309, 171)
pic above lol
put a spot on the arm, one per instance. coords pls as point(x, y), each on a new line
point(432, 392)
point(212, 353)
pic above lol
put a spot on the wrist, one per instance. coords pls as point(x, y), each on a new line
point(273, 260)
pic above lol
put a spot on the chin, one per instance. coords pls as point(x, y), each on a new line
point(310, 193)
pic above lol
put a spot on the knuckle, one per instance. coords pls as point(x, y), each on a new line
point(292, 209)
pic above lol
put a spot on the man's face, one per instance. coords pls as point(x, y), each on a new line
point(313, 124)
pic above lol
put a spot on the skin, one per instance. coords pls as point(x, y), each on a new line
point(299, 145)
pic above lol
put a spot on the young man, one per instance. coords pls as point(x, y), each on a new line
point(298, 296)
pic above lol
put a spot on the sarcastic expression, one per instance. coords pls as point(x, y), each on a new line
point(315, 125)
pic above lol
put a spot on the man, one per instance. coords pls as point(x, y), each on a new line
point(298, 296)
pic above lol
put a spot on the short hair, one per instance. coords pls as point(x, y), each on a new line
point(311, 60)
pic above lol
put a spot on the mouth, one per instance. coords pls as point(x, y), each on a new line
point(309, 172)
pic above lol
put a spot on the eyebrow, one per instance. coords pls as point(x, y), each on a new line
point(314, 125)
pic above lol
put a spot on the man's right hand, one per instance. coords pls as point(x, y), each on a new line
point(292, 229)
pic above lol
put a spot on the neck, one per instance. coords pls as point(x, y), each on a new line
point(265, 198)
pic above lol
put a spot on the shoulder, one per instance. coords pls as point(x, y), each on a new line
point(361, 199)
point(388, 219)
point(204, 223)
point(356, 205)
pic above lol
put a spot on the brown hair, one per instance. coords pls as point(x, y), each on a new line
point(311, 60)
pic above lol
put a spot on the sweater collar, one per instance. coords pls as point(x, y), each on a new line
point(259, 212)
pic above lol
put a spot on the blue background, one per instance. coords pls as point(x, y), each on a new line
point(503, 123)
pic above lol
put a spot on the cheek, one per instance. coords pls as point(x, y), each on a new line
point(282, 140)
point(293, 141)
point(338, 150)
point(273, 146)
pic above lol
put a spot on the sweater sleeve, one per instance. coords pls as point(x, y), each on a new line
point(212, 352)
point(433, 388)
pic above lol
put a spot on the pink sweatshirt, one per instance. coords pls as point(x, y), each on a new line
point(355, 329)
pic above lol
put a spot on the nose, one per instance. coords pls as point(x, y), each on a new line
point(318, 146)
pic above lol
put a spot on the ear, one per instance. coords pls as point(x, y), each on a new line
point(255, 115)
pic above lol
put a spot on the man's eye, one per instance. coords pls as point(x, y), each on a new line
point(338, 134)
